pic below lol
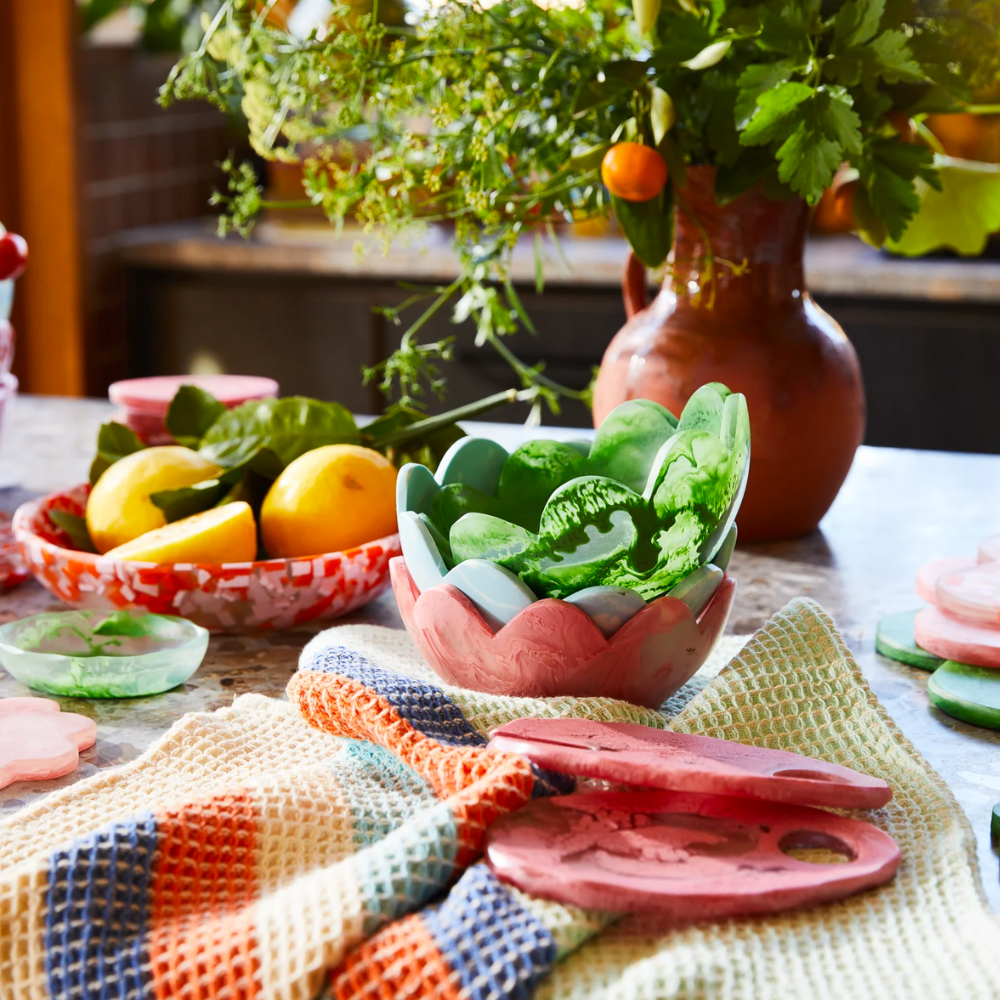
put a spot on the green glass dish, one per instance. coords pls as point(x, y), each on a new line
point(102, 654)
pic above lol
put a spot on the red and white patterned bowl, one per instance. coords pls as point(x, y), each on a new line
point(233, 597)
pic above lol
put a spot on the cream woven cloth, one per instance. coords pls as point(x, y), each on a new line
point(793, 686)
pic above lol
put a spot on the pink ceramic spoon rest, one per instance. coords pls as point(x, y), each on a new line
point(685, 855)
point(38, 741)
point(639, 755)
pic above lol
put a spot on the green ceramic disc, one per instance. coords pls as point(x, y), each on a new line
point(894, 639)
point(995, 821)
point(971, 694)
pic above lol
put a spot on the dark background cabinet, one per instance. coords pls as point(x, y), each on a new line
point(932, 369)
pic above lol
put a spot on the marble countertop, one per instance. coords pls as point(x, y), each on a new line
point(835, 265)
point(897, 510)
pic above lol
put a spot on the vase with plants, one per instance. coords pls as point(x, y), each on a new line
point(709, 128)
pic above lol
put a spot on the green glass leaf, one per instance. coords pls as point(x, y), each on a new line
point(114, 441)
point(286, 427)
point(961, 216)
point(191, 413)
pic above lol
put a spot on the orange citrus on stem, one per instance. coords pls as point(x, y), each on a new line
point(633, 172)
point(329, 499)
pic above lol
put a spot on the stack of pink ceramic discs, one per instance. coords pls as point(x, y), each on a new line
point(143, 402)
point(963, 621)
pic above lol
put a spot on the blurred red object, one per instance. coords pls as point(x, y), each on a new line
point(13, 256)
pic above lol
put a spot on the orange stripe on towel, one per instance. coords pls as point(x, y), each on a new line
point(201, 943)
point(401, 960)
point(479, 784)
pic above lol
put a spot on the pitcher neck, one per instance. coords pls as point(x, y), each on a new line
point(751, 247)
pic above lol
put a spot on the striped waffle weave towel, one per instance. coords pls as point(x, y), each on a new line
point(330, 845)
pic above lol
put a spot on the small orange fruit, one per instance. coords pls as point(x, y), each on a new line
point(633, 172)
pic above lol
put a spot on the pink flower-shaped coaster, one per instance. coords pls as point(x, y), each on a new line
point(954, 639)
point(38, 741)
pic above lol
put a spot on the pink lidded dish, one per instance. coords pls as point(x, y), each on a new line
point(143, 402)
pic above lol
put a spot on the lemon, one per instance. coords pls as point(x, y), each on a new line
point(329, 499)
point(225, 534)
point(119, 508)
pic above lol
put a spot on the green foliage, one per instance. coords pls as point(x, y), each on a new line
point(495, 116)
point(191, 413)
point(114, 441)
point(75, 527)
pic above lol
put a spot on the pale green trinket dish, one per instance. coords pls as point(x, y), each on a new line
point(101, 654)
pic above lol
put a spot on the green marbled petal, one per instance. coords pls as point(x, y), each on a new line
point(628, 440)
point(483, 536)
point(531, 475)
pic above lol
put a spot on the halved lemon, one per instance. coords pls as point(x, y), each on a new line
point(225, 534)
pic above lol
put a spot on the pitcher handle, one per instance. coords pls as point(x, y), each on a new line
point(634, 285)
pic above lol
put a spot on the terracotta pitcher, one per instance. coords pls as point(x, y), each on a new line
point(746, 319)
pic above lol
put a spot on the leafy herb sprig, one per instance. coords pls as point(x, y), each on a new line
point(495, 117)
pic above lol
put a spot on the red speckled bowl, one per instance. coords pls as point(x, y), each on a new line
point(234, 597)
point(553, 648)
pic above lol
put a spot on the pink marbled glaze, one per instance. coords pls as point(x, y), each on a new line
point(553, 648)
point(684, 855)
point(639, 755)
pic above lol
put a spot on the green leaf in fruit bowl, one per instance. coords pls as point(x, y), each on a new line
point(286, 427)
point(189, 500)
point(191, 413)
point(961, 216)
point(114, 441)
point(75, 527)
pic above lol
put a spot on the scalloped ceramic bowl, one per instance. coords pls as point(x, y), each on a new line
point(553, 647)
point(234, 597)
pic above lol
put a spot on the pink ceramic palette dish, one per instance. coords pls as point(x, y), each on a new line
point(700, 842)
point(963, 621)
point(684, 855)
point(658, 758)
point(235, 597)
point(38, 741)
point(645, 661)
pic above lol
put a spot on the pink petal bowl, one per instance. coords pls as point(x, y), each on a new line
point(233, 597)
point(553, 648)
